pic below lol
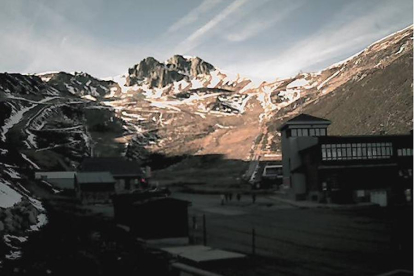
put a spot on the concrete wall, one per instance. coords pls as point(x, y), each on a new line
point(295, 183)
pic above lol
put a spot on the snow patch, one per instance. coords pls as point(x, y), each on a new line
point(8, 196)
point(165, 106)
point(400, 50)
point(14, 119)
point(297, 83)
point(89, 97)
point(12, 173)
point(70, 88)
point(328, 79)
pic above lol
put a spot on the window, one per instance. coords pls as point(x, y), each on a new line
point(311, 132)
point(317, 132)
point(323, 152)
point(405, 152)
point(305, 132)
point(323, 132)
point(334, 152)
point(358, 151)
point(294, 132)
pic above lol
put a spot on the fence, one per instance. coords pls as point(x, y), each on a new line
point(199, 234)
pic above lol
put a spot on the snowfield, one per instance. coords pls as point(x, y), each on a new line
point(8, 196)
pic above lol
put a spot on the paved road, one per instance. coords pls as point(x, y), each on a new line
point(301, 241)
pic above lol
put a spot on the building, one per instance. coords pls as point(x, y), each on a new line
point(64, 180)
point(152, 216)
point(128, 175)
point(343, 168)
point(94, 187)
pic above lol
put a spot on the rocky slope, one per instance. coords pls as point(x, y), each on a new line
point(369, 93)
point(187, 106)
point(81, 84)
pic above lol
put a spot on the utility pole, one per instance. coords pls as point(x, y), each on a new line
point(253, 242)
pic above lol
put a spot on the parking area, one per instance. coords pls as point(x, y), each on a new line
point(313, 241)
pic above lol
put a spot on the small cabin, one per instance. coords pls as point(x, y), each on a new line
point(128, 175)
point(94, 187)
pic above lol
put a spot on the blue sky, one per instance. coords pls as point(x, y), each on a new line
point(262, 39)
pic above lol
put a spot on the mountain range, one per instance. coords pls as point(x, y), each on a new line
point(187, 106)
point(184, 106)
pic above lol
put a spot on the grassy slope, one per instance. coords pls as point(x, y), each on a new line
point(381, 101)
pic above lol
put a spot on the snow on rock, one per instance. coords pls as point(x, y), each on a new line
point(94, 91)
point(41, 221)
point(121, 80)
point(14, 119)
point(290, 95)
point(400, 50)
point(179, 86)
point(12, 173)
point(8, 196)
point(10, 238)
point(328, 79)
point(89, 97)
point(70, 88)
point(196, 83)
point(135, 116)
point(14, 255)
point(165, 106)
point(215, 79)
point(112, 92)
point(266, 102)
point(297, 83)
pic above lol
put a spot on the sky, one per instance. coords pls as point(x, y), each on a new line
point(260, 39)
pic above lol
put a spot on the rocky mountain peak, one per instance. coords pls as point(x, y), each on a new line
point(192, 66)
point(156, 74)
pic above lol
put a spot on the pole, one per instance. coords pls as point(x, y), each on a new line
point(204, 230)
point(253, 241)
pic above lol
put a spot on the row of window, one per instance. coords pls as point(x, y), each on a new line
point(354, 151)
point(405, 152)
point(300, 132)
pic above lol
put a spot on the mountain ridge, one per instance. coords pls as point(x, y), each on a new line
point(183, 104)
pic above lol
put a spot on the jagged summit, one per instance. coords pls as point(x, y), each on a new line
point(192, 66)
point(157, 74)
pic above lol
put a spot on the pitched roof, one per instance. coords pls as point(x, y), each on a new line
point(117, 166)
point(304, 119)
point(307, 118)
point(94, 177)
point(62, 174)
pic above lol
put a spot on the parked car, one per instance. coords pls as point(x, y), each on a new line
point(272, 175)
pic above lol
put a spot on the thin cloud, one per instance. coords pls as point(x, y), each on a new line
point(326, 45)
point(195, 38)
point(256, 26)
point(194, 15)
point(60, 47)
